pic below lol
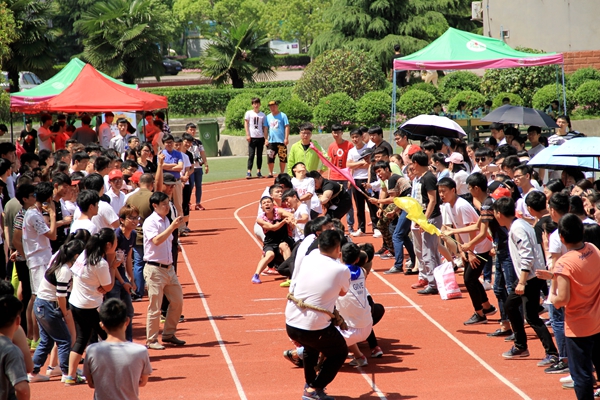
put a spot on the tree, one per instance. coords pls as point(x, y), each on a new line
point(239, 53)
point(124, 37)
point(8, 33)
point(377, 25)
point(33, 46)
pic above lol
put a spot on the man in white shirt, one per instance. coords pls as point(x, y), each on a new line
point(522, 178)
point(320, 281)
point(358, 162)
point(301, 212)
point(160, 274)
point(256, 134)
point(117, 198)
point(87, 205)
point(105, 131)
point(118, 142)
point(497, 131)
point(533, 135)
point(106, 217)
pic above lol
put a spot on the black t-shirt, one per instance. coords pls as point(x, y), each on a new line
point(498, 233)
point(150, 167)
point(126, 245)
point(335, 187)
point(387, 146)
point(29, 144)
point(392, 181)
point(429, 183)
point(61, 235)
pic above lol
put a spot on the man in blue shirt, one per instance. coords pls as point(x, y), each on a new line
point(174, 165)
point(279, 134)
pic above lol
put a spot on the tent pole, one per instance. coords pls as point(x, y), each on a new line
point(557, 83)
point(12, 136)
point(393, 113)
point(144, 126)
point(564, 89)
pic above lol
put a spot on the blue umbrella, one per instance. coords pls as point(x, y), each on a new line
point(580, 147)
point(548, 159)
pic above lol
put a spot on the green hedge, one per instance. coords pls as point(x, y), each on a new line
point(455, 82)
point(374, 108)
point(515, 99)
point(337, 108)
point(292, 59)
point(588, 98)
point(473, 99)
point(581, 76)
point(297, 111)
point(543, 97)
point(416, 102)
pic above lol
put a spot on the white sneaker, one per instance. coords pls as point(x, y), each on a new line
point(566, 379)
point(359, 362)
point(376, 233)
point(357, 233)
point(487, 285)
point(53, 371)
point(37, 378)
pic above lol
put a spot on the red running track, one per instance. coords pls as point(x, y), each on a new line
point(236, 330)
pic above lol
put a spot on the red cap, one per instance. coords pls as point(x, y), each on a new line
point(135, 178)
point(501, 192)
point(413, 149)
point(115, 173)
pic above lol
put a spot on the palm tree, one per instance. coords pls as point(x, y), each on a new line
point(123, 37)
point(239, 53)
point(32, 48)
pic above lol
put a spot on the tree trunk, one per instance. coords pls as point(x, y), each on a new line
point(128, 79)
point(13, 79)
point(236, 81)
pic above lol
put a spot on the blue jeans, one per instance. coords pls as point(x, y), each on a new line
point(53, 329)
point(487, 270)
point(557, 321)
point(581, 352)
point(118, 292)
point(196, 180)
point(138, 269)
point(401, 239)
point(505, 280)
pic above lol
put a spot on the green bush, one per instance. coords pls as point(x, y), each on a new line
point(374, 108)
point(191, 63)
point(279, 94)
point(522, 81)
point(588, 97)
point(582, 75)
point(337, 108)
point(455, 82)
point(515, 99)
point(544, 96)
point(415, 102)
point(4, 106)
point(269, 84)
point(236, 109)
point(473, 99)
point(292, 59)
point(427, 87)
point(297, 112)
point(339, 71)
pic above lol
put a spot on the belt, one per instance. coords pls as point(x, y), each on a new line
point(155, 264)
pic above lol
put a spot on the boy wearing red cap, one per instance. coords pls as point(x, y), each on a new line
point(117, 198)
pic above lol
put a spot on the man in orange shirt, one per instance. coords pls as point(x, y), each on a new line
point(577, 282)
point(338, 154)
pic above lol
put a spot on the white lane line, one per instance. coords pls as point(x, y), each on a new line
point(213, 324)
point(251, 234)
point(267, 330)
point(460, 344)
point(248, 315)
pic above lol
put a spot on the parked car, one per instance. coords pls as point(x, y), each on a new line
point(27, 80)
point(172, 67)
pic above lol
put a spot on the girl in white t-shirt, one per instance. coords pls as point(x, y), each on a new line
point(92, 278)
point(305, 187)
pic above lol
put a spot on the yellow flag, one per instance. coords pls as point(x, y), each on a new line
point(414, 213)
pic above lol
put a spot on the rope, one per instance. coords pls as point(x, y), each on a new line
point(335, 316)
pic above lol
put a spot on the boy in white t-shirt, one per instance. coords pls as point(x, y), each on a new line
point(256, 134)
point(301, 213)
point(359, 162)
point(87, 202)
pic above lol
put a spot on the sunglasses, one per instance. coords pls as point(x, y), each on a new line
point(482, 159)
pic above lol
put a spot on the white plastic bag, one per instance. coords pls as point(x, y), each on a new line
point(446, 281)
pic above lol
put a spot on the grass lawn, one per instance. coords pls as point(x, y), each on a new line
point(228, 168)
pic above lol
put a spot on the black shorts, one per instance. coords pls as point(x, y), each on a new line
point(276, 149)
point(274, 246)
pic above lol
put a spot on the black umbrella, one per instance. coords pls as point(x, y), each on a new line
point(520, 115)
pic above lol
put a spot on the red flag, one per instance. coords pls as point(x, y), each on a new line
point(345, 172)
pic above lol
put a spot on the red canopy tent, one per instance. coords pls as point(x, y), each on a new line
point(92, 92)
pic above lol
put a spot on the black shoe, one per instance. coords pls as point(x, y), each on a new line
point(428, 290)
point(136, 297)
point(476, 319)
point(379, 252)
point(510, 338)
point(413, 271)
point(289, 355)
point(394, 270)
point(500, 332)
point(560, 367)
point(173, 340)
point(490, 311)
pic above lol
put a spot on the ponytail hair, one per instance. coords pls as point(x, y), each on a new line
point(94, 248)
point(80, 234)
point(67, 252)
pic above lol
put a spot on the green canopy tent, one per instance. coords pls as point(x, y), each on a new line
point(457, 49)
point(52, 87)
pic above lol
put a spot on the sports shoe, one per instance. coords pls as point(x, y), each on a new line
point(510, 338)
point(259, 175)
point(357, 233)
point(568, 385)
point(476, 319)
point(53, 371)
point(256, 279)
point(376, 352)
point(490, 311)
point(394, 270)
point(318, 394)
point(566, 379)
point(286, 283)
point(155, 346)
point(548, 361)
point(269, 271)
point(487, 285)
point(289, 355)
point(560, 367)
point(34, 344)
point(380, 252)
point(69, 381)
point(500, 332)
point(387, 255)
point(359, 362)
point(376, 233)
point(515, 352)
point(173, 340)
point(421, 283)
point(136, 298)
point(37, 378)
point(248, 175)
point(428, 290)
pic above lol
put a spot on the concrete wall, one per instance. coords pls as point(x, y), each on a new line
point(549, 25)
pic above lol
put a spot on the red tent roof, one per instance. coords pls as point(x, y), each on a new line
point(92, 92)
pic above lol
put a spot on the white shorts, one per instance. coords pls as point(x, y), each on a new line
point(356, 335)
point(36, 274)
point(258, 231)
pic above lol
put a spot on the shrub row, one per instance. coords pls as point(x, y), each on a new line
point(292, 59)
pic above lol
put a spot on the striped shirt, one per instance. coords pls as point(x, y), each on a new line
point(55, 285)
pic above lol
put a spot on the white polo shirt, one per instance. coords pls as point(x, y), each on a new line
point(153, 226)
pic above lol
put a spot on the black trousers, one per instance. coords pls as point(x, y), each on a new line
point(531, 302)
point(377, 312)
point(186, 196)
point(87, 326)
point(328, 341)
point(255, 146)
point(359, 202)
point(474, 287)
point(23, 274)
point(344, 205)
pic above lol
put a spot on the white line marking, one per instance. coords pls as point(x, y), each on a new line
point(267, 330)
point(213, 324)
point(455, 340)
point(248, 315)
point(251, 234)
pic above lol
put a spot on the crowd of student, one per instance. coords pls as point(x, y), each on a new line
point(534, 234)
point(89, 230)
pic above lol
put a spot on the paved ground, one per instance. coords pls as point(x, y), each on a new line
point(182, 77)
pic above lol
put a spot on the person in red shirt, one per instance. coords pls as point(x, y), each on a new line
point(338, 154)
